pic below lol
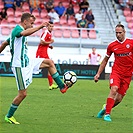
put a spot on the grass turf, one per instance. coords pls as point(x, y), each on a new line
point(49, 111)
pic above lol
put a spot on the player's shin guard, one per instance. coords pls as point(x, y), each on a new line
point(12, 110)
point(58, 80)
point(109, 105)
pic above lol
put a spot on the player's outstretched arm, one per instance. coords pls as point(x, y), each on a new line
point(30, 31)
point(3, 45)
point(101, 68)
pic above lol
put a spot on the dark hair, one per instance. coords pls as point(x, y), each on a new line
point(50, 22)
point(25, 16)
point(120, 25)
point(33, 16)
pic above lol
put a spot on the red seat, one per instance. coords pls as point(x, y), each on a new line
point(65, 25)
point(73, 25)
point(12, 24)
point(57, 25)
point(38, 21)
point(126, 12)
point(56, 3)
point(5, 31)
point(18, 20)
point(27, 10)
point(129, 18)
point(18, 12)
point(4, 23)
point(10, 18)
point(63, 20)
point(76, 8)
point(66, 33)
point(130, 25)
point(10, 11)
point(65, 4)
point(75, 34)
point(45, 19)
point(71, 21)
point(92, 34)
point(57, 33)
point(25, 6)
point(1, 6)
point(36, 13)
point(84, 34)
point(43, 14)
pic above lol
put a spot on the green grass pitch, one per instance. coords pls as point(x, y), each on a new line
point(49, 111)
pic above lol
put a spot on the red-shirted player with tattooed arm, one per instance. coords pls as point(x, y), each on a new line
point(42, 51)
point(121, 74)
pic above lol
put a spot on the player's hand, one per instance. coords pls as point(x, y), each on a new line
point(51, 47)
point(45, 24)
point(96, 77)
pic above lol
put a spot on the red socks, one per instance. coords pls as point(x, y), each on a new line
point(50, 80)
point(109, 105)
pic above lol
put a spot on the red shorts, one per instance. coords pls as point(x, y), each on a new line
point(122, 82)
point(42, 56)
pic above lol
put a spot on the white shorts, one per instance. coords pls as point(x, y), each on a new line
point(24, 75)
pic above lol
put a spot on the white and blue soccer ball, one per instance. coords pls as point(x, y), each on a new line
point(70, 78)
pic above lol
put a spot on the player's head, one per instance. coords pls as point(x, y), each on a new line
point(93, 49)
point(50, 26)
point(120, 32)
point(27, 20)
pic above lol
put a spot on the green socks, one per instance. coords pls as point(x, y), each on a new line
point(12, 110)
point(58, 80)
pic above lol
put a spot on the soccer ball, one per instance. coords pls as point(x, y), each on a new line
point(70, 78)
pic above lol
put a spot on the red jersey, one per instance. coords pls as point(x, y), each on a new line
point(42, 51)
point(123, 53)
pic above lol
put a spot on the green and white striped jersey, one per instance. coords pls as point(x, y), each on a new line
point(18, 48)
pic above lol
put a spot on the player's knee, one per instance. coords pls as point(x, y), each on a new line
point(51, 63)
point(114, 90)
point(23, 94)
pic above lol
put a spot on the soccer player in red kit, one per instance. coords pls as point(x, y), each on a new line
point(42, 51)
point(121, 74)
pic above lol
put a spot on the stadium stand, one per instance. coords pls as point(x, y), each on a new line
point(125, 17)
point(66, 31)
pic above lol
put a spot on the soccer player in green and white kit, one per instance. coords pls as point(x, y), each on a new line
point(22, 66)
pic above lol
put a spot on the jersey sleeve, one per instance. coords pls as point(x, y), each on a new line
point(43, 36)
point(17, 31)
point(109, 51)
point(8, 40)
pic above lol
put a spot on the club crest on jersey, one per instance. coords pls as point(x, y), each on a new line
point(127, 45)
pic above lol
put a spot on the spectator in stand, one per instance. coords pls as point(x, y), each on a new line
point(9, 4)
point(94, 58)
point(49, 5)
point(42, 4)
point(124, 4)
point(18, 3)
point(34, 4)
point(89, 16)
point(54, 17)
point(116, 1)
point(3, 14)
point(60, 9)
point(131, 4)
point(84, 6)
point(78, 16)
point(75, 2)
point(90, 24)
point(82, 23)
point(70, 11)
